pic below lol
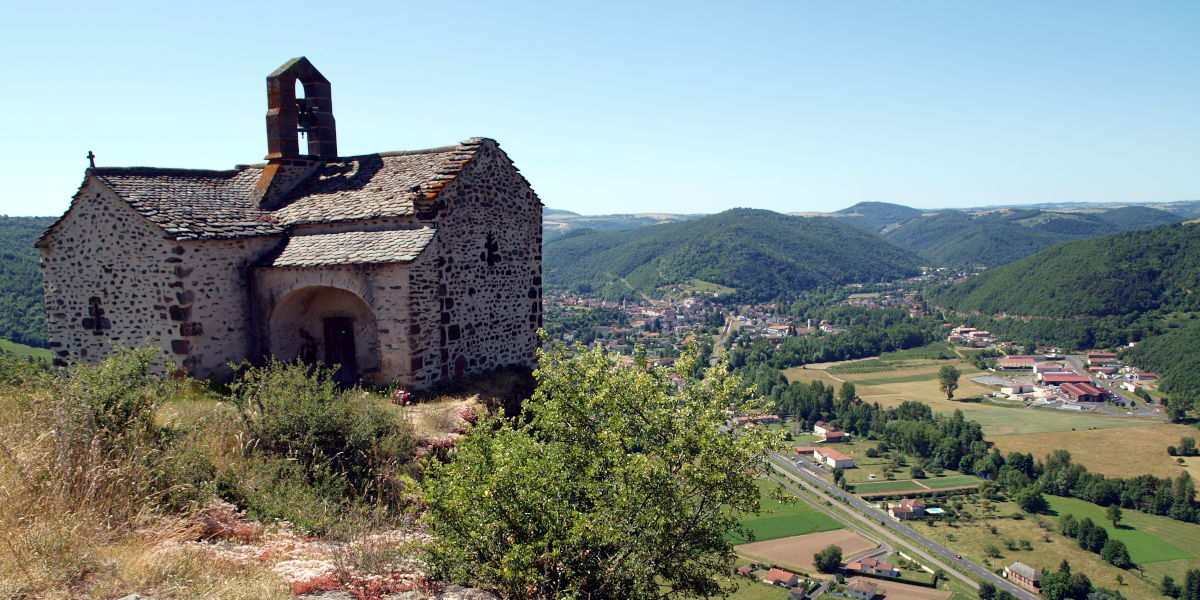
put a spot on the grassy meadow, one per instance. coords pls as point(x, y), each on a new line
point(784, 519)
point(15, 349)
point(1143, 448)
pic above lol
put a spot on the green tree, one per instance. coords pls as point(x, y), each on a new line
point(987, 591)
point(1030, 500)
point(948, 380)
point(828, 560)
point(617, 484)
point(1113, 513)
point(1115, 554)
point(1056, 585)
point(1168, 587)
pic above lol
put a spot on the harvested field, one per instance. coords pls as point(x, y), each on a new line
point(1143, 449)
point(893, 590)
point(797, 551)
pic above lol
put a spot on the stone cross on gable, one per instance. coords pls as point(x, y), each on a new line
point(95, 319)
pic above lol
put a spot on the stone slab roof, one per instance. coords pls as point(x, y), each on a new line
point(367, 187)
point(353, 247)
point(192, 204)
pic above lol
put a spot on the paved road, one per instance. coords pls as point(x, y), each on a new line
point(885, 527)
point(719, 347)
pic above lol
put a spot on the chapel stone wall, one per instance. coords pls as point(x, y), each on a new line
point(483, 285)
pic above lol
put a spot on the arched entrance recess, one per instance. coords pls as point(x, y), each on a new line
point(340, 324)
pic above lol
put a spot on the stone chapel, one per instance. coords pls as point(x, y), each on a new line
point(401, 267)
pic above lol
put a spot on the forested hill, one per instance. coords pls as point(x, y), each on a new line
point(22, 318)
point(996, 237)
point(1119, 274)
point(877, 216)
point(759, 253)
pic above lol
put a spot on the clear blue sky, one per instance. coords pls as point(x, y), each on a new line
point(635, 107)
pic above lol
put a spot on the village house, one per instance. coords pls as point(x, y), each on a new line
point(1024, 575)
point(862, 589)
point(833, 458)
point(399, 267)
point(906, 509)
point(778, 576)
point(829, 433)
point(873, 566)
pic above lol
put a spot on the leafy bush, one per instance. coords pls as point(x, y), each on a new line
point(322, 447)
point(618, 485)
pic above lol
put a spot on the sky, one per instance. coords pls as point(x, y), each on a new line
point(629, 107)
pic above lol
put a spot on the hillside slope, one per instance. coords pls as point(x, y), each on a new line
point(877, 216)
point(996, 237)
point(1118, 274)
point(22, 316)
point(760, 253)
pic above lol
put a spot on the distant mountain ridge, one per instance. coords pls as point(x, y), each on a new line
point(759, 253)
point(1115, 275)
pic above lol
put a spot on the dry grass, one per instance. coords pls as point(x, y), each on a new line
point(80, 516)
point(797, 551)
point(91, 530)
point(971, 539)
point(1143, 449)
point(894, 590)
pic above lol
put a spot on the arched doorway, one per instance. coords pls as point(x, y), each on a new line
point(331, 325)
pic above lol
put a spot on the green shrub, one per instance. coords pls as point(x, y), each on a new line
point(322, 449)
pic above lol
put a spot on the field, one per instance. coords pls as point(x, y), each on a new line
point(797, 552)
point(887, 486)
point(1143, 448)
point(916, 379)
point(779, 520)
point(1149, 538)
point(1048, 548)
point(902, 591)
point(941, 483)
point(9, 347)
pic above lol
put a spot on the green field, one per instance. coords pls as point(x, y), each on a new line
point(777, 519)
point(9, 347)
point(886, 486)
point(1005, 421)
point(938, 483)
point(935, 350)
point(861, 366)
point(1149, 538)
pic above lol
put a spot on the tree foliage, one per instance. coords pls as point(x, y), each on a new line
point(829, 559)
point(760, 253)
point(948, 380)
point(618, 484)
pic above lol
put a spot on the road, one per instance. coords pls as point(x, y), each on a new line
point(719, 347)
point(883, 549)
point(884, 527)
point(1141, 409)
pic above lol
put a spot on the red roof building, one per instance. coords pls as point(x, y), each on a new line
point(1084, 392)
point(1061, 378)
point(781, 577)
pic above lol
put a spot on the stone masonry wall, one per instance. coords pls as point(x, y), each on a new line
point(485, 279)
point(112, 278)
